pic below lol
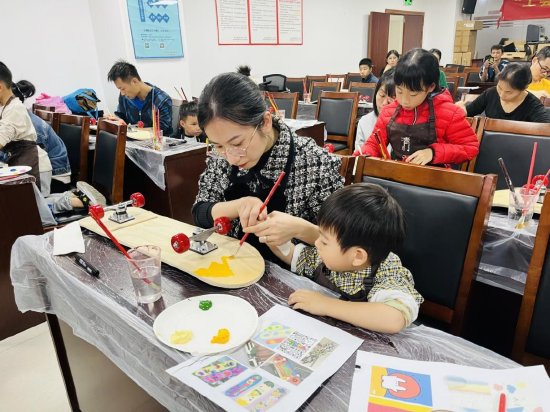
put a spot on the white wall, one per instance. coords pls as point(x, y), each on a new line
point(51, 44)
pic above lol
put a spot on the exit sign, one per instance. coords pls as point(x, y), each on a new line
point(408, 2)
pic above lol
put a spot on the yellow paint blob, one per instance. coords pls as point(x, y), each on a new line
point(181, 337)
point(222, 336)
point(217, 269)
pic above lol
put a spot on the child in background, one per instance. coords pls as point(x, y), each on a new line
point(442, 77)
point(365, 68)
point(359, 226)
point(189, 124)
point(384, 94)
point(423, 125)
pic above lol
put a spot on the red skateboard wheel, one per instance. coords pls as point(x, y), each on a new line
point(93, 121)
point(96, 211)
point(180, 243)
point(538, 178)
point(138, 200)
point(140, 124)
point(222, 225)
point(329, 147)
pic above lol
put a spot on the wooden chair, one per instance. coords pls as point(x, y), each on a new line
point(311, 79)
point(347, 168)
point(340, 78)
point(472, 78)
point(296, 85)
point(42, 107)
point(339, 111)
point(75, 132)
point(452, 82)
point(532, 338)
point(352, 77)
point(110, 146)
point(364, 89)
point(287, 102)
point(49, 117)
point(318, 87)
point(450, 70)
point(436, 200)
point(459, 67)
point(513, 141)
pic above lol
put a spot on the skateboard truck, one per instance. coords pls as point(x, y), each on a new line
point(199, 241)
point(121, 213)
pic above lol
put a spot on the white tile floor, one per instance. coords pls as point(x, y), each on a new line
point(31, 379)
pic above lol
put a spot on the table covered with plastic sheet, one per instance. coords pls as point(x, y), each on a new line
point(103, 311)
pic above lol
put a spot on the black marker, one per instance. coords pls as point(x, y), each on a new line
point(87, 266)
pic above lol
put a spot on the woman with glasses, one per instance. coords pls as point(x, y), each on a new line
point(540, 69)
point(248, 151)
point(509, 99)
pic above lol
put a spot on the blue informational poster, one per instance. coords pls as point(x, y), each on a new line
point(155, 26)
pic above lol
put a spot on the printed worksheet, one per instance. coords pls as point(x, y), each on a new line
point(288, 358)
point(384, 383)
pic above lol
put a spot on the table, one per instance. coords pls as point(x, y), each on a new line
point(104, 313)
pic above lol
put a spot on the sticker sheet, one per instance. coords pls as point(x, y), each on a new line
point(403, 385)
point(283, 364)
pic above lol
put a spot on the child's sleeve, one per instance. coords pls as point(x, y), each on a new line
point(371, 148)
point(305, 260)
point(394, 286)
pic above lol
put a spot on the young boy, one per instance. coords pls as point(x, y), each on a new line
point(189, 124)
point(359, 226)
point(365, 68)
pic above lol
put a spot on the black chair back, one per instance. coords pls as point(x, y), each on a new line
point(364, 89)
point(296, 85)
point(274, 83)
point(336, 114)
point(319, 87)
point(74, 131)
point(108, 175)
point(352, 78)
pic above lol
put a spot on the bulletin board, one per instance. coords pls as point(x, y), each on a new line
point(155, 27)
point(260, 22)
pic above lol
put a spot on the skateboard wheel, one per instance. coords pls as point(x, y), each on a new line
point(180, 243)
point(93, 121)
point(538, 178)
point(140, 124)
point(96, 211)
point(222, 225)
point(138, 200)
point(329, 147)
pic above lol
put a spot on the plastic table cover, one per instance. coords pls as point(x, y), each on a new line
point(103, 311)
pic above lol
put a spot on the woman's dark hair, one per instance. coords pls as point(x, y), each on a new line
point(385, 80)
point(543, 53)
point(364, 215)
point(244, 70)
point(124, 71)
point(22, 89)
point(517, 75)
point(233, 97)
point(188, 109)
point(416, 70)
point(394, 52)
point(436, 51)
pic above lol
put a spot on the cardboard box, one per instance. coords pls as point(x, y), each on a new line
point(469, 25)
point(513, 55)
point(469, 39)
point(467, 59)
point(457, 48)
point(457, 58)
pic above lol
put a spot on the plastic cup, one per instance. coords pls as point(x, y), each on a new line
point(521, 206)
point(145, 272)
point(307, 97)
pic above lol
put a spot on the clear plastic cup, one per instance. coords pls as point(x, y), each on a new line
point(521, 206)
point(144, 269)
point(307, 97)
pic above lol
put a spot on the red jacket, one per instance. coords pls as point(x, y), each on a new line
point(456, 141)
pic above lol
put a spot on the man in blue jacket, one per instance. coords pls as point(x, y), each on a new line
point(137, 98)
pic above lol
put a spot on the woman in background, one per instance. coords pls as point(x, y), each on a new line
point(391, 61)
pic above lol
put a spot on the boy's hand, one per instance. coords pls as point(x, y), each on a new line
point(310, 301)
point(421, 157)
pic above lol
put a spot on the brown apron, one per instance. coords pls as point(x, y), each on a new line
point(320, 276)
point(406, 139)
point(23, 153)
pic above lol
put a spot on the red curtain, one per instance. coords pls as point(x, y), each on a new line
point(525, 9)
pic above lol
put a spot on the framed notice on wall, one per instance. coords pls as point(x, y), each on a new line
point(155, 27)
point(260, 22)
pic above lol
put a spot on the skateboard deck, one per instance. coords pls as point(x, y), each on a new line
point(500, 199)
point(218, 268)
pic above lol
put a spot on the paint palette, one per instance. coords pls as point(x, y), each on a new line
point(11, 171)
point(227, 312)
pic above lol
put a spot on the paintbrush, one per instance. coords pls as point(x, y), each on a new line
point(178, 92)
point(383, 149)
point(264, 204)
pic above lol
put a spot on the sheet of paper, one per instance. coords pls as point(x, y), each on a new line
point(387, 383)
point(288, 358)
point(68, 239)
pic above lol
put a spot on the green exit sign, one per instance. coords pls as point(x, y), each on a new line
point(408, 2)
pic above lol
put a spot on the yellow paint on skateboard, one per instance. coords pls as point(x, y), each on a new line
point(217, 269)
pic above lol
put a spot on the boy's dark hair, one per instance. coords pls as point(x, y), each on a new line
point(244, 70)
point(497, 47)
point(233, 97)
point(188, 109)
point(364, 215)
point(436, 51)
point(365, 61)
point(22, 89)
point(543, 53)
point(387, 81)
point(517, 75)
point(124, 71)
point(416, 70)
